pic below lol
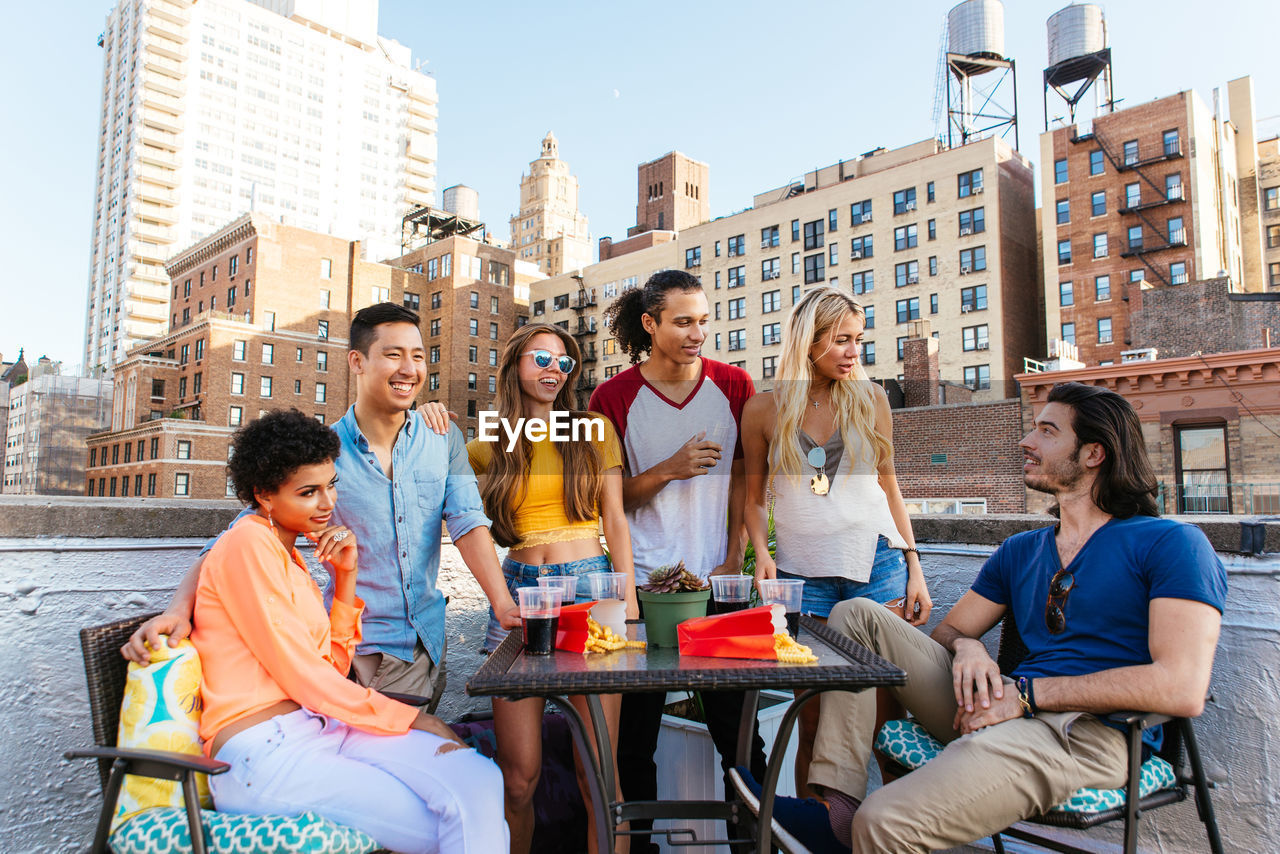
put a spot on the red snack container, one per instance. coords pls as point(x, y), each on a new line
point(740, 634)
point(571, 635)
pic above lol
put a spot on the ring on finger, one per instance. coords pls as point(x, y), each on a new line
point(340, 536)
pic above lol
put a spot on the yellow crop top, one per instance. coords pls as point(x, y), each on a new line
point(540, 518)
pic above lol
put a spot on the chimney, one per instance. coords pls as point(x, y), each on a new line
point(920, 366)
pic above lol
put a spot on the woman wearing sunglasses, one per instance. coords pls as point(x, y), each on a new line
point(823, 440)
point(546, 500)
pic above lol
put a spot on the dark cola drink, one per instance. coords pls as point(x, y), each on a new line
point(793, 623)
point(540, 634)
point(719, 607)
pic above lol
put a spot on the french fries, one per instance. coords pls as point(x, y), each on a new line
point(790, 652)
point(604, 639)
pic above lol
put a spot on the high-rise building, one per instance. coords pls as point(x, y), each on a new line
point(549, 230)
point(916, 233)
point(295, 109)
point(671, 194)
point(1147, 197)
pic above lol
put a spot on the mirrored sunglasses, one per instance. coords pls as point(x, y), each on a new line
point(545, 358)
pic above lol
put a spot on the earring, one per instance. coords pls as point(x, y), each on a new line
point(270, 521)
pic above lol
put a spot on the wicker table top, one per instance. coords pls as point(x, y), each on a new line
point(842, 665)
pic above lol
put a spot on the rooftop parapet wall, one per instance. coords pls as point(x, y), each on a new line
point(66, 563)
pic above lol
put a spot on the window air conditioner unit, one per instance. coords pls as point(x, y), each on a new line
point(856, 255)
point(764, 244)
point(866, 217)
point(966, 231)
point(913, 280)
point(977, 189)
point(964, 271)
point(983, 346)
point(965, 309)
point(909, 206)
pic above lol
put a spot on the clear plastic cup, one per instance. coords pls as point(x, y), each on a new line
point(787, 592)
point(607, 585)
point(540, 615)
point(730, 593)
point(566, 584)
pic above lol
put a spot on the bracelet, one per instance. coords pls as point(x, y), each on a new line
point(1023, 699)
point(913, 549)
point(1031, 694)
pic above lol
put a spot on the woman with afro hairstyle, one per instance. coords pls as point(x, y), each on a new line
point(299, 735)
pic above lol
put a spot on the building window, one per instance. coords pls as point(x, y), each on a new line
point(795, 230)
point(184, 354)
point(869, 311)
point(184, 449)
point(770, 268)
point(197, 382)
point(1135, 237)
point(906, 274)
point(770, 301)
point(124, 486)
point(473, 353)
point(471, 382)
point(1273, 274)
point(693, 257)
point(1178, 273)
point(137, 484)
point(1102, 288)
point(539, 307)
point(738, 245)
point(973, 260)
point(717, 249)
point(737, 339)
point(560, 303)
point(324, 298)
point(833, 220)
point(182, 388)
point(1104, 330)
point(412, 301)
point(237, 383)
point(902, 342)
point(493, 357)
point(768, 367)
point(1066, 295)
point(769, 237)
point(182, 484)
point(933, 303)
point(322, 360)
point(1136, 276)
point(814, 268)
point(473, 328)
point(795, 294)
point(1098, 203)
point(904, 237)
point(264, 387)
point(1064, 251)
point(1100, 246)
point(435, 299)
point(1069, 333)
point(933, 265)
point(863, 283)
point(1202, 470)
point(1173, 186)
point(868, 352)
point(268, 354)
point(813, 238)
point(737, 308)
point(1064, 211)
point(93, 459)
point(968, 183)
point(770, 333)
point(1060, 171)
point(238, 349)
point(973, 222)
point(1172, 147)
point(930, 192)
point(977, 376)
point(493, 332)
point(1271, 198)
point(908, 309)
point(151, 485)
point(322, 329)
point(904, 201)
point(433, 382)
point(860, 212)
point(1132, 195)
point(475, 299)
point(1178, 236)
point(235, 416)
point(322, 393)
point(297, 386)
point(435, 326)
point(974, 337)
point(493, 385)
point(326, 268)
point(155, 448)
point(1095, 163)
point(737, 276)
point(1131, 152)
point(381, 294)
point(833, 254)
point(861, 247)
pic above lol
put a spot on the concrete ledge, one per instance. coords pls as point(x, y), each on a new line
point(62, 516)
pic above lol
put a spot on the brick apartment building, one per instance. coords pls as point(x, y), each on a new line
point(1147, 196)
point(260, 320)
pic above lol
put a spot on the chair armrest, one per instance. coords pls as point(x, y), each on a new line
point(407, 699)
point(177, 762)
point(1142, 720)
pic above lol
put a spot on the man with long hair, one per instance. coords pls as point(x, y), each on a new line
point(1119, 609)
point(677, 414)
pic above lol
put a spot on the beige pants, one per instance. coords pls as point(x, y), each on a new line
point(421, 676)
point(982, 782)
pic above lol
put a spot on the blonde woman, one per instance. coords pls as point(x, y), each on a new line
point(823, 438)
point(545, 500)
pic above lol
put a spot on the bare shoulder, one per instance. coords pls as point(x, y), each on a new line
point(760, 405)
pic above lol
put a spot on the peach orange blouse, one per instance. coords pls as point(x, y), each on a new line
point(263, 636)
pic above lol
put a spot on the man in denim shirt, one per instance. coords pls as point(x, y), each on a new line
point(399, 480)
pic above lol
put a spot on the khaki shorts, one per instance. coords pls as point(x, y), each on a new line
point(383, 672)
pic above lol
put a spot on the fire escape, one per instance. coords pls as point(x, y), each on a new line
point(584, 331)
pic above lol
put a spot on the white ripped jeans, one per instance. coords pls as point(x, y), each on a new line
point(394, 788)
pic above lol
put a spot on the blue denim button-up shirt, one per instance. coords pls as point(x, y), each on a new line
point(397, 528)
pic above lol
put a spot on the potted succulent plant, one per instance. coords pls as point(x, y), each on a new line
point(672, 595)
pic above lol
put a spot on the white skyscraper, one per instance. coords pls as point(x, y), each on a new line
point(295, 109)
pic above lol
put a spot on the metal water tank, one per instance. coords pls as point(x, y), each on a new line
point(462, 201)
point(1078, 30)
point(976, 28)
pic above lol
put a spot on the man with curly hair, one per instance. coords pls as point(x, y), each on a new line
point(400, 480)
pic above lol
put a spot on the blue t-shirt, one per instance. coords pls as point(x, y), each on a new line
point(1123, 566)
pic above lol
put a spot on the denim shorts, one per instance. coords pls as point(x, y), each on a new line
point(519, 574)
point(888, 581)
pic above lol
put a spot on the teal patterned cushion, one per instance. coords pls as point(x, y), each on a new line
point(164, 830)
point(910, 745)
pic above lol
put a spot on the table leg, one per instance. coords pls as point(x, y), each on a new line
point(747, 727)
point(769, 785)
point(603, 817)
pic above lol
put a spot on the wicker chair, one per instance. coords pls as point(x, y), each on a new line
point(105, 671)
point(1179, 750)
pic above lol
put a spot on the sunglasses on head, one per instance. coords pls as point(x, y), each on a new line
point(545, 359)
point(1055, 609)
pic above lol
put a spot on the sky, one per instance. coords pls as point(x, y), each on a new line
point(762, 92)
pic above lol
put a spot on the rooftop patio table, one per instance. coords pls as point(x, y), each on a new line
point(842, 666)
